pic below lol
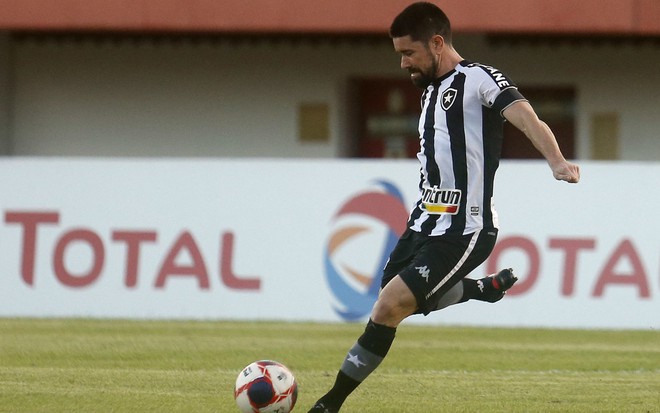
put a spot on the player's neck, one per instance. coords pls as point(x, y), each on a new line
point(450, 60)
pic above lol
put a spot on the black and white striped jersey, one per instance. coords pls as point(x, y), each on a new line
point(460, 130)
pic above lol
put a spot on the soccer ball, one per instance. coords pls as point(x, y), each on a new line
point(266, 386)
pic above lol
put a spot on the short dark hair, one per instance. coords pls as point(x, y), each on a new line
point(421, 21)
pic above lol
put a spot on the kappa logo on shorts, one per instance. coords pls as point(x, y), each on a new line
point(424, 272)
point(448, 98)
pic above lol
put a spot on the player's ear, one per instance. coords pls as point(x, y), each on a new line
point(437, 42)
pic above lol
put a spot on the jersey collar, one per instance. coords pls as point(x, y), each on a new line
point(439, 80)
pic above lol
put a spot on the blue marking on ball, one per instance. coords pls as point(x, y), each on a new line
point(261, 392)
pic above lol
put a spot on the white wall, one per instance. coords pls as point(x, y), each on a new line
point(6, 87)
point(240, 99)
point(225, 100)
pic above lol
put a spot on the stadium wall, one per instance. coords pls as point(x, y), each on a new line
point(304, 240)
point(239, 97)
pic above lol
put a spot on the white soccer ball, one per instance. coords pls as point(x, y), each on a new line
point(266, 386)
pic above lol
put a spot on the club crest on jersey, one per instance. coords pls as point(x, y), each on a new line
point(448, 97)
point(441, 200)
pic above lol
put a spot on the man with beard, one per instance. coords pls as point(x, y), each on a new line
point(453, 227)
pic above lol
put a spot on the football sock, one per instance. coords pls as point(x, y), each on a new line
point(482, 289)
point(470, 289)
point(362, 359)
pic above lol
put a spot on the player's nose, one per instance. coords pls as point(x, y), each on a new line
point(405, 63)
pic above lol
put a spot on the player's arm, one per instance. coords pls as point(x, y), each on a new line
point(522, 116)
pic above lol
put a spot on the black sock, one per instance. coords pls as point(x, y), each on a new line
point(362, 359)
point(470, 289)
point(481, 289)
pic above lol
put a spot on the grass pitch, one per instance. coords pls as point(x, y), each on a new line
point(157, 366)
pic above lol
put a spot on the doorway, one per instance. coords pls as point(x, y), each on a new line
point(387, 110)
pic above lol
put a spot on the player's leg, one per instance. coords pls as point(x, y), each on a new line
point(394, 304)
point(431, 267)
point(451, 297)
point(458, 288)
point(490, 289)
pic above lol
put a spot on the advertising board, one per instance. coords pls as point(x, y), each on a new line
point(305, 240)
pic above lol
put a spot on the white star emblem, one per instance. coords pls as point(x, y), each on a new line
point(448, 97)
point(355, 359)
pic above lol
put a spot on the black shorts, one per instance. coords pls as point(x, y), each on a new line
point(431, 265)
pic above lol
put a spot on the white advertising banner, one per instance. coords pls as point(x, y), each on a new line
point(306, 240)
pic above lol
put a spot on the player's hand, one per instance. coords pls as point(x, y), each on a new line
point(566, 171)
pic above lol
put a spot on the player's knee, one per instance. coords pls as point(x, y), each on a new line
point(394, 303)
point(390, 312)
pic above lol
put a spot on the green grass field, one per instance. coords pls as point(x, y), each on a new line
point(157, 366)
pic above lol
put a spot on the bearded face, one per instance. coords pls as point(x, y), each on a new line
point(418, 60)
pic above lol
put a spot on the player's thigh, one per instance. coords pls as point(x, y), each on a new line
point(395, 302)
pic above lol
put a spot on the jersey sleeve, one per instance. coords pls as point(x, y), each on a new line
point(506, 98)
point(496, 90)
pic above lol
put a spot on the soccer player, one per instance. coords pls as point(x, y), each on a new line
point(453, 227)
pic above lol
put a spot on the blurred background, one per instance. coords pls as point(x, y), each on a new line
point(204, 158)
point(300, 79)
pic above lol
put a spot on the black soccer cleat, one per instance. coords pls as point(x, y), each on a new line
point(320, 408)
point(499, 283)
